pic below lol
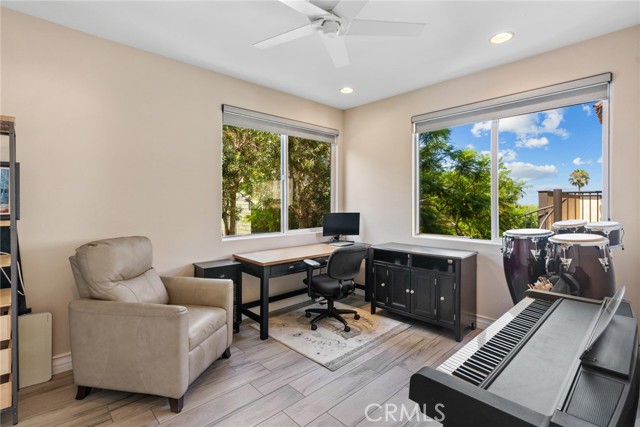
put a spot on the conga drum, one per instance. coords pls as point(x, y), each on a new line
point(569, 226)
point(524, 251)
point(585, 257)
point(610, 229)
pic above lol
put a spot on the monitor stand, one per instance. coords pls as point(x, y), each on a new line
point(335, 241)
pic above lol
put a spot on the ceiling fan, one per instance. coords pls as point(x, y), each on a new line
point(334, 20)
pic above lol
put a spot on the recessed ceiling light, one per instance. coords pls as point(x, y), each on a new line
point(501, 38)
point(346, 90)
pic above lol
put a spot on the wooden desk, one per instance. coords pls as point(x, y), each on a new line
point(280, 262)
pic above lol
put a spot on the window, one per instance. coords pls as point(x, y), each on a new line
point(277, 174)
point(492, 166)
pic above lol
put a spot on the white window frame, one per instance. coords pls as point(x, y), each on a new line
point(589, 89)
point(240, 117)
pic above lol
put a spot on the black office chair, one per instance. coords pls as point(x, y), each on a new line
point(338, 282)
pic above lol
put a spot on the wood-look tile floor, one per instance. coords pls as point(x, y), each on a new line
point(264, 383)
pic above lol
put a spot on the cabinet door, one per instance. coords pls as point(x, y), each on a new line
point(423, 293)
point(399, 288)
point(380, 274)
point(446, 301)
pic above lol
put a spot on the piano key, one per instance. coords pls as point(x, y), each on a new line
point(478, 358)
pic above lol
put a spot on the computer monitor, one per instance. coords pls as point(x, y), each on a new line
point(338, 224)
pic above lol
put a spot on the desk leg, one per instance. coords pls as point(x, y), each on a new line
point(368, 275)
point(264, 303)
point(238, 300)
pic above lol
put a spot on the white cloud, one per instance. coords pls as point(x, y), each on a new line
point(529, 171)
point(586, 109)
point(551, 123)
point(600, 159)
point(520, 125)
point(578, 161)
point(532, 142)
point(470, 147)
point(528, 125)
point(480, 128)
point(507, 155)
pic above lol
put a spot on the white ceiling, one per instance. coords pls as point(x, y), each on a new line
point(218, 35)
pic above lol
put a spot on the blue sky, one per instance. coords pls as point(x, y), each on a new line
point(543, 148)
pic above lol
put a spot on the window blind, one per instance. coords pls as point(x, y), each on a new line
point(241, 117)
point(547, 98)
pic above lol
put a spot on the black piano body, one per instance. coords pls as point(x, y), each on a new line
point(548, 379)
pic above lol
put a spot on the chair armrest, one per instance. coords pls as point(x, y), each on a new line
point(201, 291)
point(312, 263)
point(136, 347)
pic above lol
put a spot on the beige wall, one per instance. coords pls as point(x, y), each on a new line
point(379, 152)
point(114, 141)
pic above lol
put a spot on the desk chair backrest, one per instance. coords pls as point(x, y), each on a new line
point(344, 263)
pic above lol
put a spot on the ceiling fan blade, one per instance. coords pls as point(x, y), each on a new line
point(300, 32)
point(349, 8)
point(337, 50)
point(361, 27)
point(306, 8)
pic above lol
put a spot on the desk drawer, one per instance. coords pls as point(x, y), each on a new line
point(229, 272)
point(292, 267)
point(223, 269)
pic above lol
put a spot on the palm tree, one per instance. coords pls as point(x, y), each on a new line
point(579, 178)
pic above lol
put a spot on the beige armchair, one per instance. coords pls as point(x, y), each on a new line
point(135, 331)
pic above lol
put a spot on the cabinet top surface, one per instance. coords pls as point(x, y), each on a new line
point(216, 263)
point(425, 250)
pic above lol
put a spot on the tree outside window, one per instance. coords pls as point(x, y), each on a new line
point(536, 153)
point(252, 168)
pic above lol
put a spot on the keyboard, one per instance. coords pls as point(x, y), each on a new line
point(341, 243)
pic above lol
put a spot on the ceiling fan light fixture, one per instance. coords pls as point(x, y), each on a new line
point(501, 38)
point(346, 90)
point(331, 28)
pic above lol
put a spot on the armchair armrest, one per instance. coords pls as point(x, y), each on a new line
point(201, 291)
point(115, 345)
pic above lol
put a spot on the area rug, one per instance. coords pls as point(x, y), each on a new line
point(330, 345)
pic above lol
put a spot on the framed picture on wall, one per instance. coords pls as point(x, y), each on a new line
point(5, 197)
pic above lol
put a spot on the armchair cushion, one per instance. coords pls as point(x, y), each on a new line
point(120, 270)
point(203, 322)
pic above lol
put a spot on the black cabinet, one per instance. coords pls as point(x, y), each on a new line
point(431, 284)
point(224, 269)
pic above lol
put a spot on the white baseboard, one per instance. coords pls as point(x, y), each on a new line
point(61, 363)
point(483, 322)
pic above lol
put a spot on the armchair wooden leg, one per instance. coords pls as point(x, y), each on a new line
point(82, 392)
point(227, 353)
point(176, 404)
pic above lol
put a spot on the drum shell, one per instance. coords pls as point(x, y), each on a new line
point(521, 267)
point(613, 234)
point(569, 229)
point(596, 281)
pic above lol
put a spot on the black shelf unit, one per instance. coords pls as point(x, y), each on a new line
point(434, 285)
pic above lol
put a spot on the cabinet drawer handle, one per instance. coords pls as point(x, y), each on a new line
point(408, 291)
point(222, 276)
point(412, 291)
point(441, 298)
point(382, 285)
point(291, 267)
